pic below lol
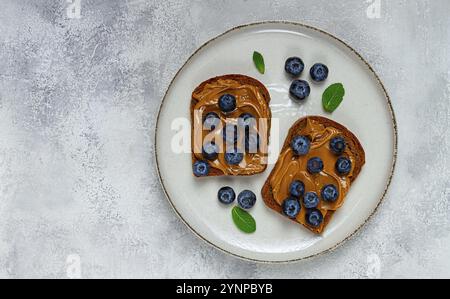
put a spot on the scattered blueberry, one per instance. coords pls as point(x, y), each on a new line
point(246, 120)
point(319, 72)
point(226, 195)
point(294, 66)
point(230, 134)
point(211, 121)
point(300, 145)
point(246, 199)
point(252, 142)
point(314, 217)
point(210, 151)
point(227, 103)
point(234, 157)
point(311, 200)
point(299, 89)
point(297, 189)
point(343, 165)
point(201, 168)
point(337, 145)
point(315, 165)
point(291, 207)
point(330, 193)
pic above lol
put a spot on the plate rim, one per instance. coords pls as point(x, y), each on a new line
point(394, 128)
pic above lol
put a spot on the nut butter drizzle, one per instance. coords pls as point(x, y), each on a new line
point(249, 99)
point(291, 167)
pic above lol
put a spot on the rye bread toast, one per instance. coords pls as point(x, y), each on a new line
point(274, 188)
point(205, 100)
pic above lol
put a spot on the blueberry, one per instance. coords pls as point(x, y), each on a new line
point(246, 120)
point(226, 195)
point(299, 89)
point(330, 193)
point(319, 72)
point(294, 66)
point(230, 134)
point(300, 145)
point(211, 121)
point(343, 165)
point(311, 200)
point(201, 168)
point(210, 151)
point(315, 165)
point(246, 199)
point(291, 207)
point(297, 189)
point(234, 157)
point(227, 103)
point(337, 145)
point(314, 217)
point(252, 142)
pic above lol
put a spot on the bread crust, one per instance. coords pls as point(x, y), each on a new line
point(352, 143)
point(244, 80)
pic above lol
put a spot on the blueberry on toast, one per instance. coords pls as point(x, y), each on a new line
point(231, 118)
point(319, 161)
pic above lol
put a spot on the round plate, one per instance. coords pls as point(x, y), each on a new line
point(366, 111)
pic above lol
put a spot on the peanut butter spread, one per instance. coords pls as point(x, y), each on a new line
point(249, 99)
point(291, 167)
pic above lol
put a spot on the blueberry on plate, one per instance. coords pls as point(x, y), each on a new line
point(227, 103)
point(246, 199)
point(211, 121)
point(291, 207)
point(230, 134)
point(200, 168)
point(299, 89)
point(315, 165)
point(251, 142)
point(343, 165)
point(246, 120)
point(234, 157)
point(311, 200)
point(319, 72)
point(297, 189)
point(330, 193)
point(294, 66)
point(226, 195)
point(300, 145)
point(314, 217)
point(210, 151)
point(337, 145)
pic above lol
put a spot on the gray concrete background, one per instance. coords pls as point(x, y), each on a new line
point(78, 104)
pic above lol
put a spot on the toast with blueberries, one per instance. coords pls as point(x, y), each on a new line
point(318, 163)
point(230, 118)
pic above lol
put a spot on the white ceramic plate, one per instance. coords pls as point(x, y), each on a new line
point(366, 111)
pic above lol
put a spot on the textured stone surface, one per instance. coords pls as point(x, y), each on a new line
point(78, 104)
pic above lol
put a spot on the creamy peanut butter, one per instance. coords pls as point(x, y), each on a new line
point(249, 99)
point(291, 167)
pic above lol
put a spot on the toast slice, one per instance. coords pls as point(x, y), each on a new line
point(252, 98)
point(291, 166)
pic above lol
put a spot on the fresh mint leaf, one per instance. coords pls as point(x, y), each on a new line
point(333, 96)
point(243, 220)
point(258, 59)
